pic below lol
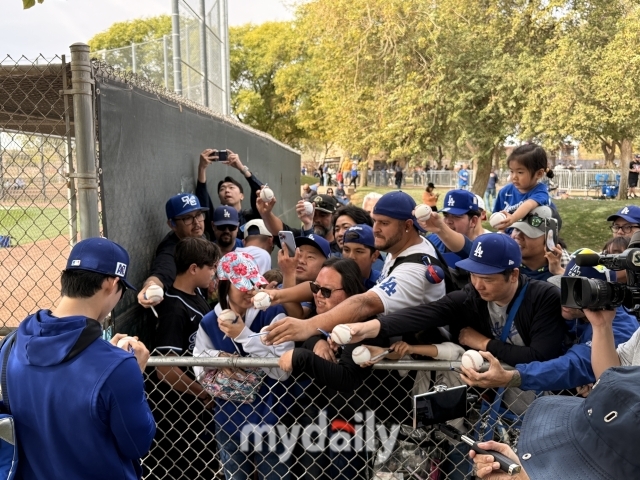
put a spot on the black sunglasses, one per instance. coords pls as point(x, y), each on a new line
point(534, 220)
point(223, 228)
point(324, 291)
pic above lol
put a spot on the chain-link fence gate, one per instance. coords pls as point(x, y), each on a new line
point(300, 429)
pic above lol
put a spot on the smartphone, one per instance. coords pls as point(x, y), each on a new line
point(286, 238)
point(438, 407)
point(221, 154)
point(550, 234)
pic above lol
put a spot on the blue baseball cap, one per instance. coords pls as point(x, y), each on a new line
point(182, 204)
point(100, 255)
point(630, 213)
point(397, 205)
point(492, 253)
point(315, 241)
point(225, 215)
point(599, 272)
point(362, 234)
point(460, 202)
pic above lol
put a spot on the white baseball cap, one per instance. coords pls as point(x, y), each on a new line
point(261, 228)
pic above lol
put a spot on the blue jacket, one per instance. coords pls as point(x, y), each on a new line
point(510, 198)
point(78, 414)
point(573, 369)
point(450, 257)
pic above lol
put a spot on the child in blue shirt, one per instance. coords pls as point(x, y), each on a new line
point(527, 164)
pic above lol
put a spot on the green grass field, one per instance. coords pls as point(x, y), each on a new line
point(583, 220)
point(30, 224)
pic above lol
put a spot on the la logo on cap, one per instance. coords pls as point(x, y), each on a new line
point(310, 237)
point(625, 210)
point(121, 269)
point(451, 201)
point(226, 213)
point(189, 201)
point(478, 251)
point(574, 272)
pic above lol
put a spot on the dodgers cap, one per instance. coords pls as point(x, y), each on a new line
point(492, 253)
point(182, 204)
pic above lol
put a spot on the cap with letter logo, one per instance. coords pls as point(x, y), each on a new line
point(100, 255)
point(225, 215)
point(182, 204)
point(460, 202)
point(630, 213)
point(599, 272)
point(492, 253)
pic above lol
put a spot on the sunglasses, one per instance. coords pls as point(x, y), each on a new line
point(324, 291)
point(224, 228)
point(535, 220)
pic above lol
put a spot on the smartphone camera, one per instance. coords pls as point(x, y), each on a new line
point(222, 155)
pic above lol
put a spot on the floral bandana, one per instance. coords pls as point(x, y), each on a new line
point(241, 270)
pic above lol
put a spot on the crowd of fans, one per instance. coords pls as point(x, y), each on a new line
point(406, 287)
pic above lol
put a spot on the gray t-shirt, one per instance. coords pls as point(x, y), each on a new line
point(629, 351)
point(498, 316)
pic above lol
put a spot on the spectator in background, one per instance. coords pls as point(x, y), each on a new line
point(185, 218)
point(634, 170)
point(616, 246)
point(490, 191)
point(463, 177)
point(307, 192)
point(369, 201)
point(354, 176)
point(258, 242)
point(430, 198)
point(230, 191)
point(345, 217)
point(225, 229)
point(626, 221)
point(178, 400)
point(341, 195)
point(398, 176)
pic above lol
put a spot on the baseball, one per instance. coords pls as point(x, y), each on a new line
point(497, 218)
point(154, 293)
point(266, 194)
point(361, 355)
point(341, 335)
point(261, 301)
point(263, 337)
point(472, 360)
point(308, 208)
point(228, 316)
point(124, 341)
point(422, 212)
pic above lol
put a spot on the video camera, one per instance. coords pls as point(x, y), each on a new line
point(582, 292)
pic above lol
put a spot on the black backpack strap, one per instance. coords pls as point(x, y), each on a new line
point(89, 334)
point(439, 261)
point(7, 344)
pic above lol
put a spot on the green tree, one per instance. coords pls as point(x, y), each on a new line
point(29, 3)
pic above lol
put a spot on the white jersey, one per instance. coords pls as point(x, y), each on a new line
point(408, 285)
point(629, 352)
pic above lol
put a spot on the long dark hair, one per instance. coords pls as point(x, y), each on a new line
point(532, 157)
point(349, 272)
point(223, 293)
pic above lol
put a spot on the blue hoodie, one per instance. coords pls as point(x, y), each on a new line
point(78, 413)
point(573, 369)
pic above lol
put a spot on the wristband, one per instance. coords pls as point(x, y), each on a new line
point(245, 169)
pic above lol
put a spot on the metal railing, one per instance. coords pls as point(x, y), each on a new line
point(297, 428)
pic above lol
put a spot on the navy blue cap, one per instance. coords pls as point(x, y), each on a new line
point(397, 205)
point(599, 272)
point(362, 234)
point(100, 255)
point(225, 215)
point(630, 213)
point(492, 253)
point(315, 241)
point(460, 202)
point(182, 204)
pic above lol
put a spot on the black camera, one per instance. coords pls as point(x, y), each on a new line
point(594, 294)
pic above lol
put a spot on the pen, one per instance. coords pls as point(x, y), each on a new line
point(506, 464)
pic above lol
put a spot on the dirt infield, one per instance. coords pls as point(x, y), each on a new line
point(29, 278)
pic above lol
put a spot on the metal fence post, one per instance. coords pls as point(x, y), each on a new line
point(134, 67)
point(165, 50)
point(1, 169)
point(203, 55)
point(223, 19)
point(42, 172)
point(175, 34)
point(81, 84)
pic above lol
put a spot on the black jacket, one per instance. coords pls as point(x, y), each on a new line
point(538, 321)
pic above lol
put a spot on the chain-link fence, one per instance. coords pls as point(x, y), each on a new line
point(299, 428)
point(37, 205)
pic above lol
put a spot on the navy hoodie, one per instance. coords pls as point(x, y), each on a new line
point(79, 413)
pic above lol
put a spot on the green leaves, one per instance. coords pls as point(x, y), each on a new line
point(29, 3)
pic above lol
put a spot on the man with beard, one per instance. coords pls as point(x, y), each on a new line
point(225, 229)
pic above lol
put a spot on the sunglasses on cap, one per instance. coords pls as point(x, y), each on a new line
point(324, 291)
point(224, 228)
point(534, 220)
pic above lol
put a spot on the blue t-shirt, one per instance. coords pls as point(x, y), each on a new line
point(493, 178)
point(463, 178)
point(372, 280)
point(510, 198)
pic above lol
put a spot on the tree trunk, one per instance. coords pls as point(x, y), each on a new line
point(483, 169)
point(626, 149)
point(440, 157)
point(609, 151)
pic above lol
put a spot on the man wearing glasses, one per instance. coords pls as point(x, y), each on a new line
point(626, 221)
point(225, 229)
point(529, 234)
point(185, 218)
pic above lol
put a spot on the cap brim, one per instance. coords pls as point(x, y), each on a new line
point(323, 210)
point(307, 241)
point(455, 211)
point(225, 222)
point(550, 435)
point(123, 280)
point(555, 280)
point(479, 268)
point(613, 218)
point(528, 230)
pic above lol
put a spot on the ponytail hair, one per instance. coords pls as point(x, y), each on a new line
point(531, 156)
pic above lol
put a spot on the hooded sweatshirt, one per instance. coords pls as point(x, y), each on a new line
point(78, 402)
